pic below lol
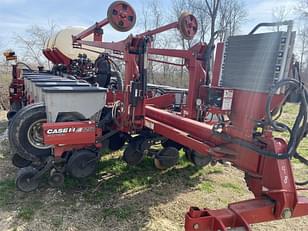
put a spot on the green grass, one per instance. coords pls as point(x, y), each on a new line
point(231, 186)
point(7, 192)
point(56, 220)
point(114, 177)
point(28, 209)
point(120, 213)
point(26, 213)
point(70, 183)
point(206, 186)
point(288, 117)
point(214, 170)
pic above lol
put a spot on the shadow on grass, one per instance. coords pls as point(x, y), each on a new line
point(122, 192)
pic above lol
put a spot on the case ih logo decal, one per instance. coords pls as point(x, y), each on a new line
point(58, 131)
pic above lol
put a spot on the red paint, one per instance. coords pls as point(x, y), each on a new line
point(67, 133)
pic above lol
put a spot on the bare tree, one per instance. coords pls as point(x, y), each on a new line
point(231, 14)
point(302, 8)
point(302, 33)
point(151, 18)
point(212, 6)
point(32, 43)
point(302, 38)
point(280, 14)
point(180, 6)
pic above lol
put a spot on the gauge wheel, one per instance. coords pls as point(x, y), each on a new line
point(24, 180)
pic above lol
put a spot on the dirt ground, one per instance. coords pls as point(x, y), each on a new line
point(123, 198)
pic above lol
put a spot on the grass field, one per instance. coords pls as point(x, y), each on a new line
point(5, 80)
point(120, 197)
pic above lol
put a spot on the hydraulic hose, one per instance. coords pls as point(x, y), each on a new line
point(300, 125)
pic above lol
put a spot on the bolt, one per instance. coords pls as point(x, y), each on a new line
point(286, 213)
point(196, 226)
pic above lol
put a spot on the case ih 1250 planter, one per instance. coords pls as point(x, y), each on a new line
point(226, 116)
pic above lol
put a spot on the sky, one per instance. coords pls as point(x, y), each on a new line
point(18, 15)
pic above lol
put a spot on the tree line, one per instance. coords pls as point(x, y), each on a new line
point(225, 16)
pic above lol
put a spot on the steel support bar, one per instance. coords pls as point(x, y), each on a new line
point(195, 129)
point(160, 29)
point(117, 46)
point(90, 30)
point(184, 54)
point(163, 101)
point(237, 215)
point(166, 62)
point(176, 135)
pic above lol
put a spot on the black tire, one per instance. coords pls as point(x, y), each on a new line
point(25, 133)
point(10, 115)
point(166, 158)
point(56, 178)
point(24, 180)
point(197, 159)
point(82, 164)
point(14, 108)
point(20, 162)
point(12, 125)
point(132, 155)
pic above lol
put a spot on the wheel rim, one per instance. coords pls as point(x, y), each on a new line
point(26, 183)
point(35, 135)
point(158, 164)
point(188, 25)
point(121, 16)
point(56, 179)
point(83, 166)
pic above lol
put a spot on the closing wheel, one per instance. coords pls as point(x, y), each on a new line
point(166, 158)
point(188, 25)
point(121, 16)
point(132, 154)
point(24, 180)
point(20, 162)
point(56, 178)
point(82, 163)
point(198, 159)
point(26, 133)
